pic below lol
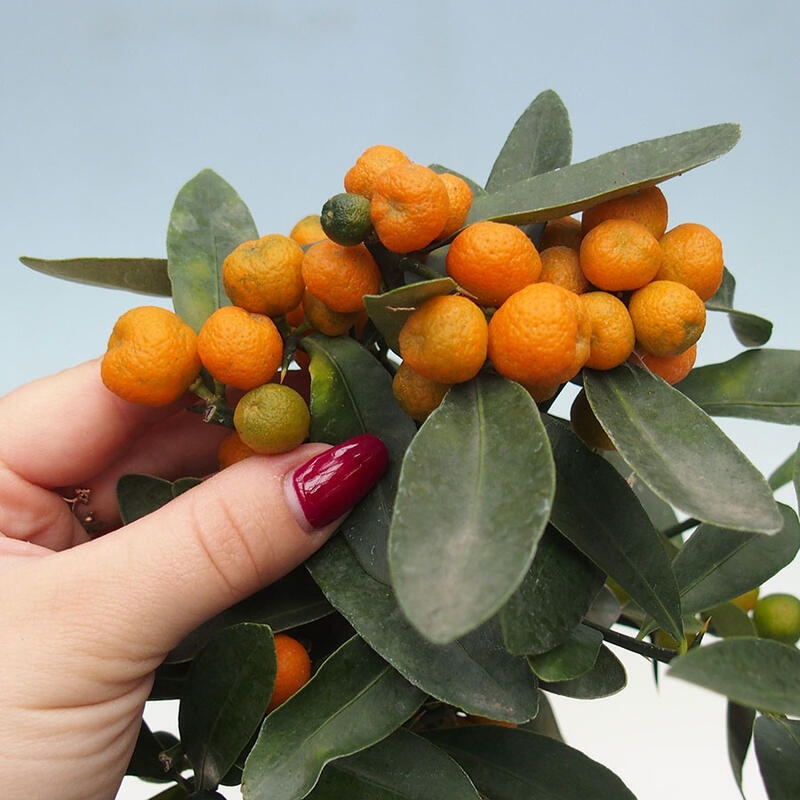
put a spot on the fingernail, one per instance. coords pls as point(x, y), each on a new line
point(330, 484)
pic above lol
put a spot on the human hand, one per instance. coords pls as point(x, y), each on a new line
point(85, 621)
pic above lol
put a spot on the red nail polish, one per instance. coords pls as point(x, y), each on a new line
point(330, 484)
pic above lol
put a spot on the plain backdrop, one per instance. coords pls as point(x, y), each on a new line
point(109, 107)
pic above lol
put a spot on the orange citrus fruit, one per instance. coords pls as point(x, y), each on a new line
point(646, 206)
point(445, 339)
point(586, 425)
point(345, 218)
point(340, 276)
point(263, 275)
point(492, 260)
point(362, 176)
point(324, 319)
point(613, 337)
point(293, 669)
point(540, 335)
point(619, 254)
point(417, 395)
point(409, 207)
point(562, 265)
point(239, 348)
point(151, 358)
point(232, 449)
point(564, 231)
point(307, 230)
point(672, 369)
point(272, 418)
point(692, 255)
point(459, 196)
point(668, 317)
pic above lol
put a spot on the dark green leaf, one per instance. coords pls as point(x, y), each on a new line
point(599, 513)
point(177, 792)
point(351, 393)
point(463, 535)
point(139, 495)
point(716, 565)
point(552, 598)
point(475, 673)
point(756, 384)
point(785, 472)
point(475, 187)
point(401, 767)
point(508, 764)
point(727, 619)
point(207, 222)
point(571, 659)
point(140, 275)
point(354, 700)
point(145, 762)
point(540, 141)
point(777, 744)
point(545, 722)
point(739, 724)
point(679, 451)
point(606, 677)
point(749, 329)
point(226, 692)
point(390, 310)
point(578, 186)
point(760, 673)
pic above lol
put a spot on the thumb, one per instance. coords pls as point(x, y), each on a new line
point(248, 525)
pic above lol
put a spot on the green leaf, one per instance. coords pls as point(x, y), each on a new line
point(509, 764)
point(463, 534)
point(139, 495)
point(177, 792)
point(739, 728)
point(207, 222)
point(145, 762)
point(354, 700)
point(571, 659)
point(784, 473)
point(140, 275)
point(598, 512)
point(716, 565)
point(390, 310)
point(401, 767)
point(756, 384)
point(606, 677)
point(473, 185)
point(475, 673)
point(578, 186)
point(540, 141)
point(749, 329)
point(777, 743)
point(552, 599)
point(679, 451)
point(351, 393)
point(759, 673)
point(727, 619)
point(226, 692)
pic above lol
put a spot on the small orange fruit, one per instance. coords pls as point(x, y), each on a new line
point(272, 418)
point(619, 254)
point(409, 207)
point(672, 369)
point(293, 669)
point(362, 176)
point(692, 255)
point(340, 276)
point(459, 196)
point(586, 425)
point(325, 319)
point(295, 317)
point(668, 317)
point(239, 348)
point(232, 449)
point(151, 358)
point(492, 260)
point(445, 339)
point(646, 206)
point(613, 337)
point(417, 395)
point(564, 231)
point(562, 265)
point(263, 275)
point(540, 335)
point(307, 230)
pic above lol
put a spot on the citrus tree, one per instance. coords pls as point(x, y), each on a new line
point(507, 551)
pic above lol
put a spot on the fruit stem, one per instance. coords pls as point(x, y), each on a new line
point(646, 649)
point(680, 527)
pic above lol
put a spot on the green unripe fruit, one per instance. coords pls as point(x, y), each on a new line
point(777, 616)
point(345, 219)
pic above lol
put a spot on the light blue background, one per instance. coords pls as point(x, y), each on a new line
point(108, 108)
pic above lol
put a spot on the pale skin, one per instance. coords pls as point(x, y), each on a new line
point(86, 621)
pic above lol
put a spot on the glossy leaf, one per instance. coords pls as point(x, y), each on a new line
point(739, 729)
point(463, 533)
point(552, 599)
point(619, 172)
point(141, 275)
point(679, 451)
point(208, 220)
point(351, 393)
point(508, 764)
point(401, 767)
point(606, 677)
point(139, 495)
point(571, 659)
point(540, 141)
point(354, 700)
point(226, 692)
point(759, 673)
point(777, 745)
point(750, 329)
point(475, 673)
point(598, 512)
point(716, 565)
point(756, 384)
